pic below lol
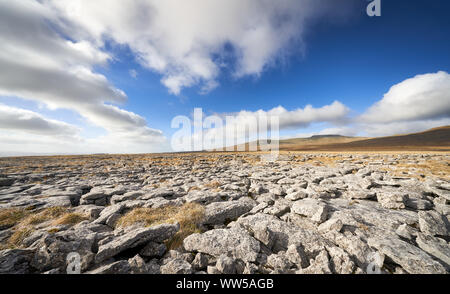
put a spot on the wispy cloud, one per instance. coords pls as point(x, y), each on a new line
point(21, 120)
point(39, 63)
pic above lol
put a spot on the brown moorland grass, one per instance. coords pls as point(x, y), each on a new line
point(421, 171)
point(213, 184)
point(9, 217)
point(24, 221)
point(70, 218)
point(189, 216)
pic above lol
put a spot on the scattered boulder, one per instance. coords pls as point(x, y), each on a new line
point(234, 242)
point(315, 209)
point(53, 249)
point(177, 266)
point(333, 224)
point(153, 249)
point(200, 261)
point(434, 246)
point(432, 223)
point(221, 212)
point(410, 258)
point(6, 182)
point(16, 261)
point(294, 196)
point(226, 265)
point(391, 200)
point(117, 268)
point(135, 238)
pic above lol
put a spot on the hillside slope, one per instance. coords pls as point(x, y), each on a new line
point(433, 139)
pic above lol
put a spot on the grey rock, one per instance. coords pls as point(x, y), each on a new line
point(202, 197)
point(432, 223)
point(341, 261)
point(200, 261)
point(92, 196)
point(212, 270)
point(391, 200)
point(296, 255)
point(53, 249)
point(93, 211)
point(418, 204)
point(234, 241)
point(250, 268)
point(297, 195)
point(153, 249)
point(434, 246)
point(176, 254)
point(177, 266)
point(315, 209)
point(442, 209)
point(221, 212)
point(108, 212)
point(278, 209)
point(406, 232)
point(410, 258)
point(359, 194)
point(333, 224)
point(137, 265)
point(153, 267)
point(118, 267)
point(55, 271)
point(279, 261)
point(226, 265)
point(15, 261)
point(6, 182)
point(112, 220)
point(319, 265)
point(264, 235)
point(134, 238)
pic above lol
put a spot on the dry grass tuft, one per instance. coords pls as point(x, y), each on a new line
point(363, 227)
point(44, 215)
point(9, 217)
point(213, 184)
point(421, 171)
point(18, 236)
point(189, 216)
point(24, 221)
point(193, 188)
point(70, 219)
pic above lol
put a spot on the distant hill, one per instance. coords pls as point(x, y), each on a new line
point(437, 139)
point(316, 141)
point(434, 139)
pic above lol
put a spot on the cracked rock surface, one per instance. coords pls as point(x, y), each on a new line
point(305, 213)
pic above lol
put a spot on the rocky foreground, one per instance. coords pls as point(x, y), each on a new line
point(226, 213)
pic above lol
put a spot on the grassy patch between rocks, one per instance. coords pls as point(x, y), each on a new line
point(9, 217)
point(189, 216)
point(421, 171)
point(24, 221)
point(70, 218)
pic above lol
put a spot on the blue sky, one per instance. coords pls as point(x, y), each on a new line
point(345, 56)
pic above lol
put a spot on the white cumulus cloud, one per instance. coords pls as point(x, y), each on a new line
point(40, 62)
point(423, 97)
point(186, 41)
